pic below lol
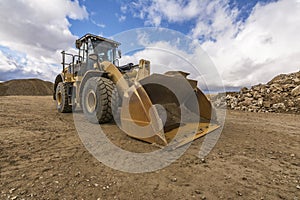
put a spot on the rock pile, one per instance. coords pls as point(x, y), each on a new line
point(281, 94)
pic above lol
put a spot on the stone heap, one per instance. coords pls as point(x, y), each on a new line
point(281, 94)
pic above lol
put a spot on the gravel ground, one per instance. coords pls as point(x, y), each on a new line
point(42, 157)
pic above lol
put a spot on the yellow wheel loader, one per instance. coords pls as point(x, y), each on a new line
point(157, 108)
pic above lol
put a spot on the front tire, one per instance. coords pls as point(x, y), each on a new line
point(97, 98)
point(61, 96)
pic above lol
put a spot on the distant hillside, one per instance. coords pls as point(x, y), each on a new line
point(26, 87)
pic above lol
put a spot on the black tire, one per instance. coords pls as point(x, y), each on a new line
point(61, 96)
point(75, 106)
point(97, 96)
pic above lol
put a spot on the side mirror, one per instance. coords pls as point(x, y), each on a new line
point(78, 44)
point(119, 53)
point(93, 57)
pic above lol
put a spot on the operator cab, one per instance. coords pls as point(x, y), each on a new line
point(104, 49)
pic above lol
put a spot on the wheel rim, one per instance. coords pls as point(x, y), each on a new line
point(91, 101)
point(59, 98)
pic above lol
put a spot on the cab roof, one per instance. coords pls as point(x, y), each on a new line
point(87, 36)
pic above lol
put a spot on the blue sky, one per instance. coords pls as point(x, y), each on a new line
point(249, 42)
point(106, 17)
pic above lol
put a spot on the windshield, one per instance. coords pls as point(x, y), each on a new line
point(105, 51)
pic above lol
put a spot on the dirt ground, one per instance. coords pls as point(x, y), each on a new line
point(42, 157)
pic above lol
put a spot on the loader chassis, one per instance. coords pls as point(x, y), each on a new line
point(94, 81)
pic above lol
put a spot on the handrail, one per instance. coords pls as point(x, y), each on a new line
point(64, 54)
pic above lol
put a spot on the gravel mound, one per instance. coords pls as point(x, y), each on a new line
point(281, 94)
point(26, 87)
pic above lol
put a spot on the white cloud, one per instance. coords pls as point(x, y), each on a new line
point(267, 44)
point(171, 10)
point(245, 52)
point(176, 53)
point(39, 28)
point(122, 18)
point(215, 20)
point(123, 8)
point(100, 25)
point(6, 64)
point(15, 65)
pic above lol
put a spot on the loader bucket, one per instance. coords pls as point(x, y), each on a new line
point(166, 109)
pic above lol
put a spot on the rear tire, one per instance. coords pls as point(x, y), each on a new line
point(61, 96)
point(97, 99)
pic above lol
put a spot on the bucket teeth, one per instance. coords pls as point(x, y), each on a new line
point(161, 136)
